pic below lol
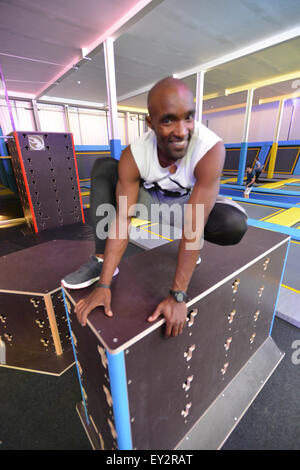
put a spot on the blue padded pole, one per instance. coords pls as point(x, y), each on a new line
point(244, 146)
point(115, 148)
point(242, 163)
point(75, 355)
point(118, 386)
point(282, 274)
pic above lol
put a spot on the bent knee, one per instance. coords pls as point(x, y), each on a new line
point(104, 166)
point(230, 229)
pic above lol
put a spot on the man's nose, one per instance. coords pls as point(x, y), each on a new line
point(181, 129)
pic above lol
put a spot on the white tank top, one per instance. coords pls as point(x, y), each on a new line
point(144, 151)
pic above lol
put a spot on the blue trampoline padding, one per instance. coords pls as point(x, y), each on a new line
point(118, 386)
point(277, 297)
point(92, 148)
point(225, 191)
point(264, 190)
point(290, 231)
point(280, 205)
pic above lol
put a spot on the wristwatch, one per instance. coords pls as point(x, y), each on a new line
point(179, 295)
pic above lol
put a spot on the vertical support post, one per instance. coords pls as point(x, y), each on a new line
point(199, 95)
point(118, 386)
point(113, 130)
point(145, 124)
point(3, 153)
point(6, 171)
point(7, 100)
point(274, 147)
point(244, 144)
point(127, 115)
point(36, 116)
point(67, 117)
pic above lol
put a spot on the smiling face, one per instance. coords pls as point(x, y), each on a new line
point(171, 116)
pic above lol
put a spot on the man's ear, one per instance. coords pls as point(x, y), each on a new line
point(148, 120)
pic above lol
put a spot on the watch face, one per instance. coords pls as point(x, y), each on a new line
point(179, 296)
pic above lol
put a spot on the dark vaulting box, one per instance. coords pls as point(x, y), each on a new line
point(34, 329)
point(142, 390)
point(46, 173)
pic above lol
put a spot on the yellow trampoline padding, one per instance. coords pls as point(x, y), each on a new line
point(137, 222)
point(279, 183)
point(231, 180)
point(5, 192)
point(287, 218)
point(291, 288)
point(146, 229)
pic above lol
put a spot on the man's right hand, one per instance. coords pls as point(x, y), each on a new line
point(100, 296)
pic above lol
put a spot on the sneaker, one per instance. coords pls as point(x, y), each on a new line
point(86, 275)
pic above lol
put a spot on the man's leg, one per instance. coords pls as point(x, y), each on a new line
point(104, 179)
point(257, 176)
point(226, 224)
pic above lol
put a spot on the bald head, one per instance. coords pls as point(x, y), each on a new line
point(164, 89)
point(171, 116)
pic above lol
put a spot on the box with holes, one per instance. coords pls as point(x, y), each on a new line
point(33, 324)
point(143, 390)
point(46, 173)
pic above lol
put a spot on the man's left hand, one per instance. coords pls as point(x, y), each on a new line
point(175, 314)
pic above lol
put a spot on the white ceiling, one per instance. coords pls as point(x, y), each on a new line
point(166, 37)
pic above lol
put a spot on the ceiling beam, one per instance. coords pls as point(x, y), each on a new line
point(251, 49)
point(263, 83)
point(289, 96)
point(239, 53)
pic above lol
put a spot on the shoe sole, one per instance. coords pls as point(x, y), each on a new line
point(84, 284)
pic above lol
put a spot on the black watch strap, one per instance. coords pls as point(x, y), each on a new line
point(98, 284)
point(179, 295)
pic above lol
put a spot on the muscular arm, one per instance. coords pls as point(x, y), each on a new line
point(205, 191)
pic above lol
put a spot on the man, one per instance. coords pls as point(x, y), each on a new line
point(180, 161)
point(250, 181)
point(257, 170)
